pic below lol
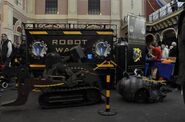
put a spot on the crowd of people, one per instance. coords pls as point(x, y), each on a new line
point(158, 52)
point(12, 55)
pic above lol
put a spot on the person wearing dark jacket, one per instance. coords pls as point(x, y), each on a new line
point(173, 51)
point(6, 50)
point(19, 54)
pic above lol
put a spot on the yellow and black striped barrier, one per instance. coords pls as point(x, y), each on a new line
point(108, 65)
point(71, 32)
point(107, 107)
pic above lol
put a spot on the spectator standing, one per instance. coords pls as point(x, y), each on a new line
point(156, 51)
point(165, 51)
point(173, 51)
point(6, 50)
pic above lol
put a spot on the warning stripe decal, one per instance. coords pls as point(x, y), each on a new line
point(38, 32)
point(104, 32)
point(72, 32)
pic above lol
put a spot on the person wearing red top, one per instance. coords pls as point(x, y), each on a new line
point(157, 53)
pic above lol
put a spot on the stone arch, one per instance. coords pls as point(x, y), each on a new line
point(168, 36)
point(17, 32)
point(150, 38)
point(170, 29)
point(17, 27)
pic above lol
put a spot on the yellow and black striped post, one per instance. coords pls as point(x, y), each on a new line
point(107, 111)
point(108, 65)
point(107, 95)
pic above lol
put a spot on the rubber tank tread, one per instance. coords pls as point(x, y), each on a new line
point(69, 97)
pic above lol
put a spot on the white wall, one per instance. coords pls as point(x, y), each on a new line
point(7, 21)
point(132, 6)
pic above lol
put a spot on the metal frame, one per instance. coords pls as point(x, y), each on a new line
point(67, 26)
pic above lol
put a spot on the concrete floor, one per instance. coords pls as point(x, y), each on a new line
point(171, 110)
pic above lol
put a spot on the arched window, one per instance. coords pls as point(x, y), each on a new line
point(169, 36)
point(149, 39)
point(19, 29)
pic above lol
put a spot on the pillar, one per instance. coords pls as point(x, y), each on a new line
point(115, 14)
point(72, 11)
point(7, 20)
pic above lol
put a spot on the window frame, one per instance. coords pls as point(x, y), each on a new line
point(94, 7)
point(51, 6)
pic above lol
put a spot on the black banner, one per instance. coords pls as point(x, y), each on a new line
point(42, 42)
point(136, 57)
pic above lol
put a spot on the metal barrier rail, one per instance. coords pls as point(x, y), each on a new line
point(165, 11)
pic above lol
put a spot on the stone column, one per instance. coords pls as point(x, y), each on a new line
point(30, 10)
point(115, 14)
point(72, 11)
point(30, 7)
point(7, 20)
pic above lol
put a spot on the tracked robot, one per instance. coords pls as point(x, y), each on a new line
point(62, 85)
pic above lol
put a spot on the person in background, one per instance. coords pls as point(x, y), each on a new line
point(156, 52)
point(174, 5)
point(173, 51)
point(16, 53)
point(149, 59)
point(170, 47)
point(6, 50)
point(19, 54)
point(149, 55)
point(167, 47)
point(165, 52)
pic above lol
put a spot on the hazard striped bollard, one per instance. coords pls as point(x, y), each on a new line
point(107, 95)
point(107, 111)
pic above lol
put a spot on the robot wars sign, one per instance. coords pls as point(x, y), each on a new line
point(95, 43)
point(64, 46)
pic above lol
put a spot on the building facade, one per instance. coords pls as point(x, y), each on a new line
point(153, 5)
point(15, 12)
point(162, 24)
